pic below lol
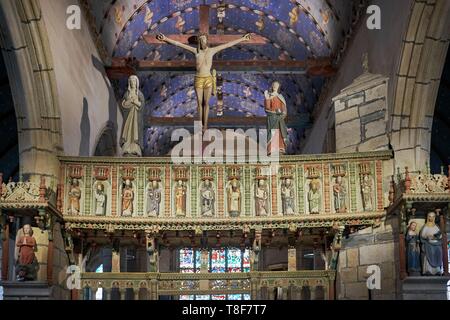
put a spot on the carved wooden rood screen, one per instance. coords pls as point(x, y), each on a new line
point(154, 203)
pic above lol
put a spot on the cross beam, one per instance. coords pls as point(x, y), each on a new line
point(123, 67)
point(297, 121)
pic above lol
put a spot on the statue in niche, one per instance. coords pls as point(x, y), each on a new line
point(431, 239)
point(413, 249)
point(261, 198)
point(234, 198)
point(366, 193)
point(207, 196)
point(287, 197)
point(153, 199)
point(132, 104)
point(180, 199)
point(340, 195)
point(74, 197)
point(275, 107)
point(205, 80)
point(27, 264)
point(100, 200)
point(127, 199)
point(314, 196)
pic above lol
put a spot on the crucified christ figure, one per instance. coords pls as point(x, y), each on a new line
point(205, 81)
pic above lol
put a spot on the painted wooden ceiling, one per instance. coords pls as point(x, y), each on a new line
point(296, 30)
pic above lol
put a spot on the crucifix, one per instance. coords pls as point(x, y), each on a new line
point(205, 78)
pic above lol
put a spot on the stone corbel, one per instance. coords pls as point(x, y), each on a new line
point(45, 221)
point(152, 249)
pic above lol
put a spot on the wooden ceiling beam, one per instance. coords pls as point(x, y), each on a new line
point(123, 67)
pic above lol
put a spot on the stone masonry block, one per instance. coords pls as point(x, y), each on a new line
point(348, 134)
point(375, 128)
point(355, 101)
point(376, 254)
point(376, 92)
point(374, 106)
point(352, 257)
point(347, 115)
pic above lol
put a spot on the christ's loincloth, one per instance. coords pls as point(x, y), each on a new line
point(204, 82)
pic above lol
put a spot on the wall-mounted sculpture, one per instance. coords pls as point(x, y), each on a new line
point(287, 196)
point(431, 239)
point(180, 191)
point(154, 198)
point(339, 188)
point(100, 199)
point(27, 265)
point(74, 197)
point(314, 196)
point(276, 110)
point(127, 198)
point(413, 249)
point(261, 193)
point(131, 139)
point(207, 193)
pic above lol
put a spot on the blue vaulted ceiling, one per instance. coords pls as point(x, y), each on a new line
point(296, 30)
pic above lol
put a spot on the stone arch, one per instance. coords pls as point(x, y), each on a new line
point(25, 47)
point(425, 45)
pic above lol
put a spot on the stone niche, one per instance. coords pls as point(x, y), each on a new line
point(361, 114)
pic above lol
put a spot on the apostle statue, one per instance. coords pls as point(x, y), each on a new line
point(27, 264)
point(127, 199)
point(100, 200)
point(314, 196)
point(277, 134)
point(340, 195)
point(287, 197)
point(234, 198)
point(261, 198)
point(74, 197)
point(153, 199)
point(180, 199)
point(413, 249)
point(207, 197)
point(366, 193)
point(431, 239)
point(205, 80)
point(132, 104)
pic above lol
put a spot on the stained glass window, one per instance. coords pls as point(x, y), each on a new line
point(246, 261)
point(234, 260)
point(220, 261)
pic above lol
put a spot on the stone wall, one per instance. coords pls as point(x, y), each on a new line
point(371, 246)
point(361, 115)
point(86, 97)
point(384, 48)
point(60, 264)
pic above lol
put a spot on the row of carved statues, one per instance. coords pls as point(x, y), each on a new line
point(234, 193)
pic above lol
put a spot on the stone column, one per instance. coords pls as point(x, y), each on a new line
point(257, 247)
point(153, 254)
point(115, 262)
point(361, 114)
point(292, 259)
point(5, 247)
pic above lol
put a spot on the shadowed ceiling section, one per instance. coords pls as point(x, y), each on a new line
point(294, 30)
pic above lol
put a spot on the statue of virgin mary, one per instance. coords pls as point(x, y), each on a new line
point(132, 104)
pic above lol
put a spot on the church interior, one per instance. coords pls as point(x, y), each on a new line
point(347, 104)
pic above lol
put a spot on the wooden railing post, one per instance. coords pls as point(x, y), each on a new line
point(444, 242)
point(5, 251)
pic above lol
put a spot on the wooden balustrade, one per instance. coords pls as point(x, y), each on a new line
point(325, 189)
point(296, 285)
